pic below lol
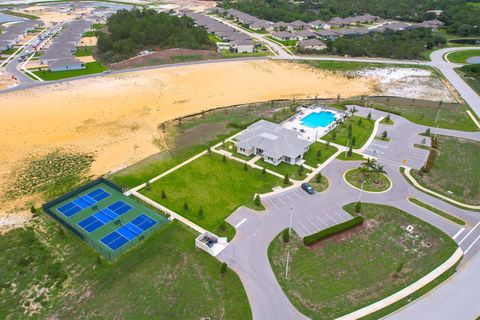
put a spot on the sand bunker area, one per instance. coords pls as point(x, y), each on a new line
point(6, 80)
point(115, 118)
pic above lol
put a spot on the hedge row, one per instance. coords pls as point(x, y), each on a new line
point(431, 156)
point(314, 238)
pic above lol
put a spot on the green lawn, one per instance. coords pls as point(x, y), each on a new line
point(471, 78)
point(361, 133)
point(373, 182)
point(462, 56)
point(286, 43)
point(165, 277)
point(230, 147)
point(321, 185)
point(311, 157)
point(346, 272)
point(346, 65)
point(90, 34)
point(91, 68)
point(450, 115)
point(228, 54)
point(455, 173)
point(294, 171)
point(354, 157)
point(84, 51)
point(437, 211)
point(215, 186)
point(19, 14)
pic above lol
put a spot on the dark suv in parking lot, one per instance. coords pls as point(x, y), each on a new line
point(308, 188)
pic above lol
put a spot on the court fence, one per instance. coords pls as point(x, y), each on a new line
point(94, 243)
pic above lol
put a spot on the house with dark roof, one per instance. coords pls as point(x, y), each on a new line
point(305, 34)
point(280, 25)
point(261, 25)
point(327, 34)
point(284, 36)
point(319, 24)
point(273, 143)
point(297, 25)
point(311, 44)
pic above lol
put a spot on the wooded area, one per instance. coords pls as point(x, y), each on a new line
point(132, 31)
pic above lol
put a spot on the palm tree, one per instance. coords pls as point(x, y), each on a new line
point(378, 169)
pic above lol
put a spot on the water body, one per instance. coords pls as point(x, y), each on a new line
point(473, 60)
point(4, 18)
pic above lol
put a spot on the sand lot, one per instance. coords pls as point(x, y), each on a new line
point(116, 117)
point(6, 80)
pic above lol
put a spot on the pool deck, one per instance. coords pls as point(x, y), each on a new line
point(306, 132)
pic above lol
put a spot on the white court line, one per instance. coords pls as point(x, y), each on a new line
point(469, 233)
point(466, 251)
point(240, 223)
point(458, 233)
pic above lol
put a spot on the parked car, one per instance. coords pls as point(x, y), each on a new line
point(308, 188)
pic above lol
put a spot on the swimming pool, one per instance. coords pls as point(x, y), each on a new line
point(318, 119)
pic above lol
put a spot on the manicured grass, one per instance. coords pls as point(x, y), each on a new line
point(472, 79)
point(165, 277)
point(373, 182)
point(346, 65)
point(437, 211)
point(286, 43)
point(97, 26)
point(321, 185)
point(91, 68)
point(462, 56)
point(346, 272)
point(19, 14)
point(361, 132)
point(311, 157)
point(450, 115)
point(228, 54)
point(84, 51)
point(90, 34)
point(294, 171)
point(354, 157)
point(9, 51)
point(387, 139)
point(387, 122)
point(455, 172)
point(215, 186)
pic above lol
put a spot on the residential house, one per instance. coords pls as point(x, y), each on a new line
point(353, 31)
point(319, 24)
point(337, 22)
point(284, 36)
point(327, 34)
point(297, 25)
point(261, 25)
point(66, 64)
point(312, 44)
point(305, 34)
point(273, 143)
point(243, 46)
point(280, 26)
point(433, 24)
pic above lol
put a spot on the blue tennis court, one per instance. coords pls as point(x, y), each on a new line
point(104, 216)
point(127, 232)
point(83, 202)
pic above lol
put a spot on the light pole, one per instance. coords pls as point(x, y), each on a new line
point(361, 190)
point(290, 225)
point(286, 265)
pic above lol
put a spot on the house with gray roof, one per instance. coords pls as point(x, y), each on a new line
point(261, 25)
point(311, 44)
point(284, 36)
point(297, 25)
point(66, 64)
point(305, 34)
point(273, 143)
point(280, 25)
point(319, 24)
point(327, 34)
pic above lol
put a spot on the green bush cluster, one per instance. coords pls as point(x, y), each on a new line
point(314, 238)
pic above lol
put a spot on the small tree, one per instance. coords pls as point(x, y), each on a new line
point(334, 135)
point(245, 167)
point(164, 195)
point(369, 116)
point(286, 235)
point(256, 200)
point(319, 154)
point(200, 213)
point(224, 159)
point(358, 207)
point(384, 135)
point(318, 178)
point(286, 179)
point(388, 118)
point(264, 171)
point(301, 169)
point(427, 132)
point(223, 268)
point(185, 206)
point(209, 151)
point(354, 141)
point(359, 122)
point(33, 209)
point(349, 152)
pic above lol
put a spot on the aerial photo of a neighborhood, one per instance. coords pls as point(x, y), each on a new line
point(240, 159)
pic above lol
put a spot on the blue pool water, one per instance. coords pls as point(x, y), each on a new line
point(318, 119)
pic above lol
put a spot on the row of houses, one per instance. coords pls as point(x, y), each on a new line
point(233, 40)
point(60, 55)
point(16, 32)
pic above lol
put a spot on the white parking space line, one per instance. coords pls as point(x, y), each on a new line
point(240, 223)
point(341, 217)
point(311, 222)
point(458, 233)
point(469, 233)
point(301, 224)
point(334, 221)
point(282, 201)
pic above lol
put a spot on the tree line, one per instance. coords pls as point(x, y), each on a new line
point(461, 17)
point(407, 44)
point(130, 31)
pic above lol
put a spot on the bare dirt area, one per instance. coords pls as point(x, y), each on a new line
point(115, 118)
point(409, 82)
point(166, 56)
point(88, 41)
point(6, 80)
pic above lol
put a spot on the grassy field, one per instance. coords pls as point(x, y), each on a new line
point(354, 269)
point(361, 133)
point(455, 173)
point(354, 157)
point(294, 171)
point(472, 79)
point(437, 211)
point(90, 68)
point(311, 157)
point(462, 56)
point(84, 51)
point(373, 182)
point(228, 54)
point(230, 147)
point(321, 185)
point(190, 136)
point(48, 273)
point(450, 115)
point(217, 187)
point(286, 43)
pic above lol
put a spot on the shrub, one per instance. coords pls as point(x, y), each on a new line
point(339, 228)
point(264, 171)
point(349, 152)
point(286, 235)
point(33, 209)
point(223, 268)
point(358, 207)
point(164, 195)
point(200, 213)
point(318, 177)
point(286, 179)
point(384, 135)
point(257, 200)
point(245, 167)
point(224, 159)
point(185, 206)
point(319, 154)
